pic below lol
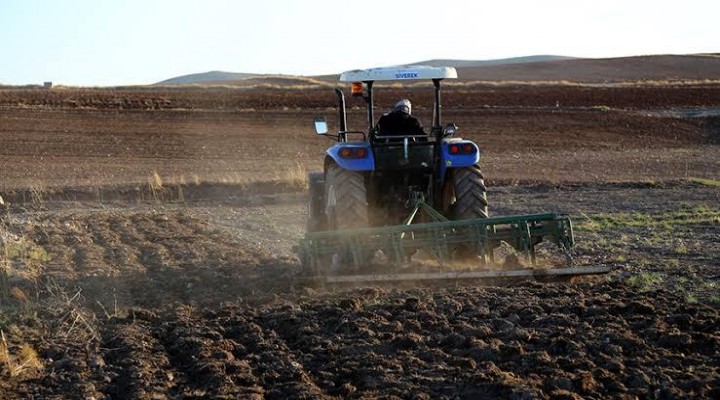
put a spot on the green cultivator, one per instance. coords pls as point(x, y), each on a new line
point(404, 205)
point(472, 243)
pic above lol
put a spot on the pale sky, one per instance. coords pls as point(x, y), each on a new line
point(106, 42)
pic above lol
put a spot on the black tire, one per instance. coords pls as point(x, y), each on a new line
point(346, 207)
point(317, 221)
point(346, 204)
point(470, 194)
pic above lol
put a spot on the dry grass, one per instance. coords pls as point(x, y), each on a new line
point(4, 265)
point(37, 192)
point(22, 257)
point(4, 283)
point(704, 181)
point(21, 262)
point(155, 183)
point(25, 359)
point(19, 296)
point(70, 317)
point(295, 177)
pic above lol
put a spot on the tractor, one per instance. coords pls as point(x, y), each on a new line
point(387, 197)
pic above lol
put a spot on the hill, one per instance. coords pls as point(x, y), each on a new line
point(204, 77)
point(236, 79)
point(487, 63)
point(542, 68)
point(601, 70)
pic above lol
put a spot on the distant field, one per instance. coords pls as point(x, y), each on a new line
point(91, 137)
point(146, 249)
point(459, 96)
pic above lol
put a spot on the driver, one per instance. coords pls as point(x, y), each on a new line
point(400, 121)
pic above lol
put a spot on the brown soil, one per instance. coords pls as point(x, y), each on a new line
point(131, 288)
point(46, 147)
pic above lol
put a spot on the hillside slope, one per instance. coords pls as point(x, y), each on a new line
point(204, 77)
point(587, 70)
point(524, 69)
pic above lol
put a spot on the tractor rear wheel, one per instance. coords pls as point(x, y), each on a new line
point(346, 204)
point(470, 194)
point(346, 207)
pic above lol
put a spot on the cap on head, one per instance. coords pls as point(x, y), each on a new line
point(403, 106)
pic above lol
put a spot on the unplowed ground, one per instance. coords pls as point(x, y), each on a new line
point(148, 255)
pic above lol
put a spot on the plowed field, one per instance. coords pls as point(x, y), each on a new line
point(148, 251)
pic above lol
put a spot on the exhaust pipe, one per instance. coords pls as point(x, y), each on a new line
point(341, 106)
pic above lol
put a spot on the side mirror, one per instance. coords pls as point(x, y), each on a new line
point(321, 126)
point(450, 130)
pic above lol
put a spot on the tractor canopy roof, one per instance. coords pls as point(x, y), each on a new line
point(398, 74)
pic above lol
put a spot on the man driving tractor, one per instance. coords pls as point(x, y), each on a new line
point(400, 121)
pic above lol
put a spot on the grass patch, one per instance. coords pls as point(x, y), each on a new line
point(714, 300)
point(645, 281)
point(25, 251)
point(706, 182)
point(600, 108)
point(681, 248)
point(667, 220)
point(700, 291)
point(295, 176)
point(621, 259)
point(155, 183)
point(20, 264)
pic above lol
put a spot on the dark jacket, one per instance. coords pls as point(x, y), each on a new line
point(399, 123)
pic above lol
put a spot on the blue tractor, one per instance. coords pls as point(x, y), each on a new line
point(396, 193)
point(373, 178)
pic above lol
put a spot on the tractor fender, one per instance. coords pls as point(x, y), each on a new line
point(451, 160)
point(357, 161)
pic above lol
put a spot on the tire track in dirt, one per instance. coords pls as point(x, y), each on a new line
point(118, 255)
point(358, 346)
point(72, 370)
point(527, 341)
point(170, 256)
point(142, 258)
point(48, 232)
point(282, 374)
point(83, 244)
point(88, 256)
point(558, 340)
point(209, 363)
point(126, 252)
point(136, 363)
point(174, 240)
point(154, 255)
